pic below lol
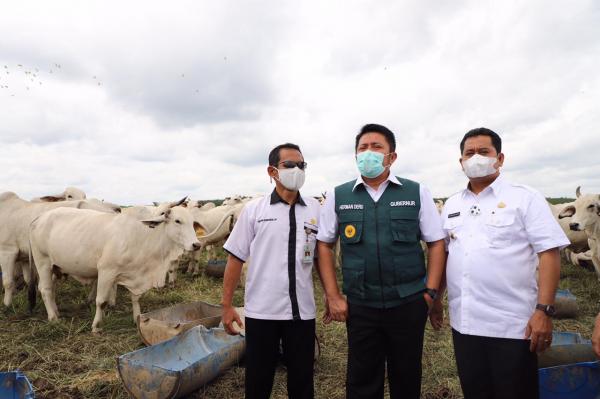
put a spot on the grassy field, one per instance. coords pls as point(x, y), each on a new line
point(65, 360)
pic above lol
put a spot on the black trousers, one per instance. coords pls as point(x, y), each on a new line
point(377, 336)
point(495, 368)
point(262, 352)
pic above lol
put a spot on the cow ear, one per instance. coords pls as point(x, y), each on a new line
point(152, 223)
point(53, 198)
point(567, 212)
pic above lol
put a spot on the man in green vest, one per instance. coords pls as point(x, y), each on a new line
point(380, 220)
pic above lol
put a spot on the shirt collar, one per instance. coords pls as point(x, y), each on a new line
point(495, 187)
point(391, 178)
point(275, 198)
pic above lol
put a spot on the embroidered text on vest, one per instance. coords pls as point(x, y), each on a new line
point(403, 203)
point(351, 206)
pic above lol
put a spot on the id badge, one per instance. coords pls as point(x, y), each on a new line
point(307, 259)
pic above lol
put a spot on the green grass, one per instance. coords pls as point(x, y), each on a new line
point(65, 360)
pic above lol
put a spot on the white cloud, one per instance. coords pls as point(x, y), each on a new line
point(257, 74)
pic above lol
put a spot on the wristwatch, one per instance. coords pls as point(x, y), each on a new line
point(432, 293)
point(548, 309)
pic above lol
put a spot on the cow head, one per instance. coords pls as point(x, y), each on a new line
point(98, 205)
point(70, 194)
point(178, 226)
point(236, 199)
point(585, 211)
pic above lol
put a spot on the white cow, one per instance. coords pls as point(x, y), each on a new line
point(70, 194)
point(16, 215)
point(585, 216)
point(114, 249)
point(218, 223)
point(578, 252)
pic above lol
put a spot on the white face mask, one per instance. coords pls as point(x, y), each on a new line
point(479, 166)
point(292, 179)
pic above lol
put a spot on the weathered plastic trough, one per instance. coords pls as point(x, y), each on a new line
point(568, 369)
point(565, 304)
point(566, 348)
point(15, 385)
point(166, 323)
point(215, 268)
point(181, 365)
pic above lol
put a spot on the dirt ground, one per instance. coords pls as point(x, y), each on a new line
point(65, 360)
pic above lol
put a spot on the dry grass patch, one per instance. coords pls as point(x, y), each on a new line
point(65, 360)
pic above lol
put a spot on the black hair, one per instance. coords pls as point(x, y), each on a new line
point(482, 131)
point(375, 128)
point(274, 157)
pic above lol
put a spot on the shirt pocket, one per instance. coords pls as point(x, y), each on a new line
point(350, 227)
point(500, 229)
point(404, 225)
point(452, 227)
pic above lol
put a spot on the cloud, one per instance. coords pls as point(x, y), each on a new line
point(154, 102)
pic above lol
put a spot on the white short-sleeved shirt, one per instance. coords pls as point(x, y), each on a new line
point(429, 217)
point(493, 240)
point(280, 246)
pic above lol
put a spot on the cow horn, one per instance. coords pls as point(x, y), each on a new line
point(578, 191)
point(181, 201)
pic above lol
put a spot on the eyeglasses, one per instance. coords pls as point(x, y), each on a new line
point(291, 164)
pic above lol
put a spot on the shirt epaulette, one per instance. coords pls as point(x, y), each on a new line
point(524, 186)
point(452, 195)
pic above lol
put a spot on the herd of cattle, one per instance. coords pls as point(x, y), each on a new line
point(141, 247)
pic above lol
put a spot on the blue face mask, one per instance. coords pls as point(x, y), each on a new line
point(370, 163)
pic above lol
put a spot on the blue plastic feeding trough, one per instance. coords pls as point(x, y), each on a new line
point(571, 381)
point(569, 369)
point(565, 304)
point(14, 385)
point(181, 365)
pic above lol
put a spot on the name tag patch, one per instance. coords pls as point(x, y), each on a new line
point(266, 220)
point(453, 215)
point(403, 203)
point(351, 206)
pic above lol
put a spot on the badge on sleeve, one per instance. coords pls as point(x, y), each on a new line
point(350, 231)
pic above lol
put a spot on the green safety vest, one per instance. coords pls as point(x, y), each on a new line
point(382, 258)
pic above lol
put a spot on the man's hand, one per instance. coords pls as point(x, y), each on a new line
point(436, 314)
point(338, 307)
point(327, 314)
point(539, 329)
point(596, 337)
point(229, 316)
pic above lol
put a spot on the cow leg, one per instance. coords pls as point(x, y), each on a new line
point(7, 263)
point(172, 273)
point(105, 285)
point(135, 304)
point(92, 295)
point(112, 300)
point(46, 288)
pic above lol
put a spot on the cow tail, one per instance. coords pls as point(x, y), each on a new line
point(32, 289)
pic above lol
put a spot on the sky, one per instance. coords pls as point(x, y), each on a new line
point(143, 101)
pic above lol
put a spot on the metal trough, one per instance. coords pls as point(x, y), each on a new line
point(572, 381)
point(15, 385)
point(181, 365)
point(565, 304)
point(566, 348)
point(163, 324)
point(215, 268)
